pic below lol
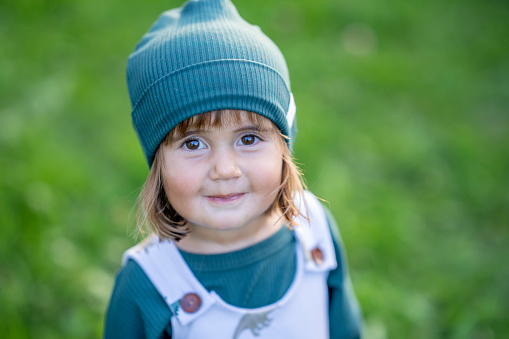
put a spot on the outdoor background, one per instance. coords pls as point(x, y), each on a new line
point(403, 128)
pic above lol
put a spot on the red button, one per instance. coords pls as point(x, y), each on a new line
point(190, 303)
point(317, 255)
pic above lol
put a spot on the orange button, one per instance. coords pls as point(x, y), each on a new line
point(317, 255)
point(190, 303)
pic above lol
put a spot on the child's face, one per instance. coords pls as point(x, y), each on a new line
point(227, 177)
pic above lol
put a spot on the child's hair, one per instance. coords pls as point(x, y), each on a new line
point(156, 213)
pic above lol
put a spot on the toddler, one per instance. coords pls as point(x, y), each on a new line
point(237, 248)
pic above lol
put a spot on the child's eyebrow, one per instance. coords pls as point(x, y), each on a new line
point(252, 128)
point(188, 133)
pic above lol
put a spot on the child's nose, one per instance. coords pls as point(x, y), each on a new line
point(224, 166)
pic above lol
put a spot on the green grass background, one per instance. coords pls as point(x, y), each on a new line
point(403, 129)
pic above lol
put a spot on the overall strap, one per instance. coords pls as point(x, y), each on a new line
point(314, 235)
point(164, 266)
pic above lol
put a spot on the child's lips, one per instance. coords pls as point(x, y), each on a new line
point(225, 198)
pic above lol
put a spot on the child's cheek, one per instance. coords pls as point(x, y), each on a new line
point(181, 182)
point(266, 173)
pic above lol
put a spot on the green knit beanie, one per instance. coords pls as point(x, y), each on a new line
point(200, 58)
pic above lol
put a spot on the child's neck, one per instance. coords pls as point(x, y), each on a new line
point(209, 241)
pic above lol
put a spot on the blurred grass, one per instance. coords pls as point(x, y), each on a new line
point(403, 128)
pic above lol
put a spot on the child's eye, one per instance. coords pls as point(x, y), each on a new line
point(193, 144)
point(248, 139)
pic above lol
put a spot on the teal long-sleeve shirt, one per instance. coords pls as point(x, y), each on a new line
point(243, 278)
